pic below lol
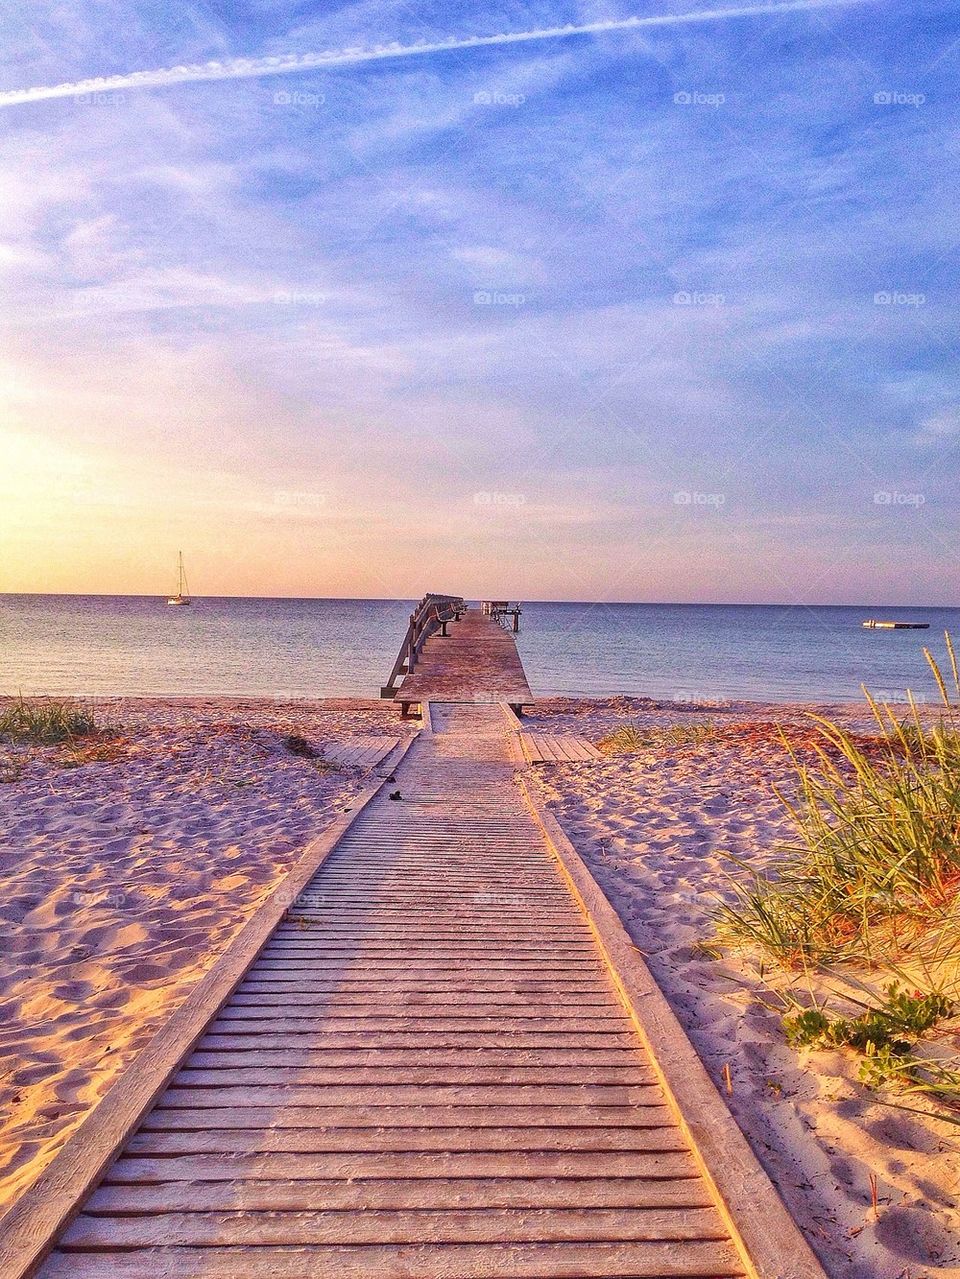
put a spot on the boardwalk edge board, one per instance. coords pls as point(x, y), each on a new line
point(768, 1239)
point(30, 1228)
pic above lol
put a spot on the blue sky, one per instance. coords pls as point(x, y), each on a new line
point(667, 313)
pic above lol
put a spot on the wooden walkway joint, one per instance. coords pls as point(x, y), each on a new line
point(434, 1054)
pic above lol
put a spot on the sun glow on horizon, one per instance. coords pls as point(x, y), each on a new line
point(619, 317)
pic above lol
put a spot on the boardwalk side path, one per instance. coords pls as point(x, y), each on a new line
point(427, 1071)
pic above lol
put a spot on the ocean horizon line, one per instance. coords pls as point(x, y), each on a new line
point(200, 597)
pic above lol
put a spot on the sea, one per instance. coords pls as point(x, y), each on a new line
point(90, 645)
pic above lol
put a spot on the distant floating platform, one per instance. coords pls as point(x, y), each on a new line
point(872, 624)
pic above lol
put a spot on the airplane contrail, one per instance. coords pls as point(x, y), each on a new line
point(286, 64)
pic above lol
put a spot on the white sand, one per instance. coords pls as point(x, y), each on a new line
point(651, 827)
point(121, 879)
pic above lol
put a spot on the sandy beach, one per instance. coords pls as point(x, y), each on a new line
point(129, 861)
point(652, 827)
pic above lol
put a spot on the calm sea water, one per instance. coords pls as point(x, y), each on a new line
point(316, 648)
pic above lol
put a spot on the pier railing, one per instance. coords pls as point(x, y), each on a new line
point(500, 611)
point(432, 614)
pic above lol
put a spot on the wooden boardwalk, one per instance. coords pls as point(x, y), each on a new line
point(477, 661)
point(360, 752)
point(559, 748)
point(442, 1060)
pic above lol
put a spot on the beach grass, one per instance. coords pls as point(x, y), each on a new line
point(875, 872)
point(45, 723)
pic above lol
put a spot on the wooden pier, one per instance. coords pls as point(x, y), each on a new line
point(470, 659)
point(433, 1054)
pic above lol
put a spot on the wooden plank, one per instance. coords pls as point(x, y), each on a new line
point(467, 1059)
point(445, 1003)
point(420, 1161)
point(230, 1019)
point(566, 747)
point(240, 1033)
point(363, 751)
point(569, 984)
point(408, 1095)
point(483, 966)
point(397, 1226)
point(321, 934)
point(395, 1193)
point(302, 1106)
point(177, 1133)
point(33, 1221)
point(255, 1076)
point(541, 1260)
point(557, 748)
point(291, 946)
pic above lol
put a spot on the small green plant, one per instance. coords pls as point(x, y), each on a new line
point(876, 869)
point(884, 1036)
point(45, 723)
point(808, 1028)
point(631, 737)
point(886, 1067)
point(881, 1027)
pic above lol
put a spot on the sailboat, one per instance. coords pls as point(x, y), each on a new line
point(183, 591)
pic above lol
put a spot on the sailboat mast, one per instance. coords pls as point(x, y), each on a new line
point(180, 585)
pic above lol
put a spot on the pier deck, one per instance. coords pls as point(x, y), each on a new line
point(477, 661)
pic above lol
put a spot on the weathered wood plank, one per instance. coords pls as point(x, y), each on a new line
point(465, 1192)
point(358, 751)
point(242, 1034)
point(194, 1132)
point(386, 988)
point(376, 1098)
point(193, 1076)
point(303, 1108)
point(397, 1226)
point(539, 748)
point(541, 1260)
point(261, 1020)
point(377, 1163)
point(444, 1004)
point(360, 1059)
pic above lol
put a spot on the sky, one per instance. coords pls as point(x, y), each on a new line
point(649, 311)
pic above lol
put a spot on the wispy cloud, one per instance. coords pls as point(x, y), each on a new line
point(286, 64)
